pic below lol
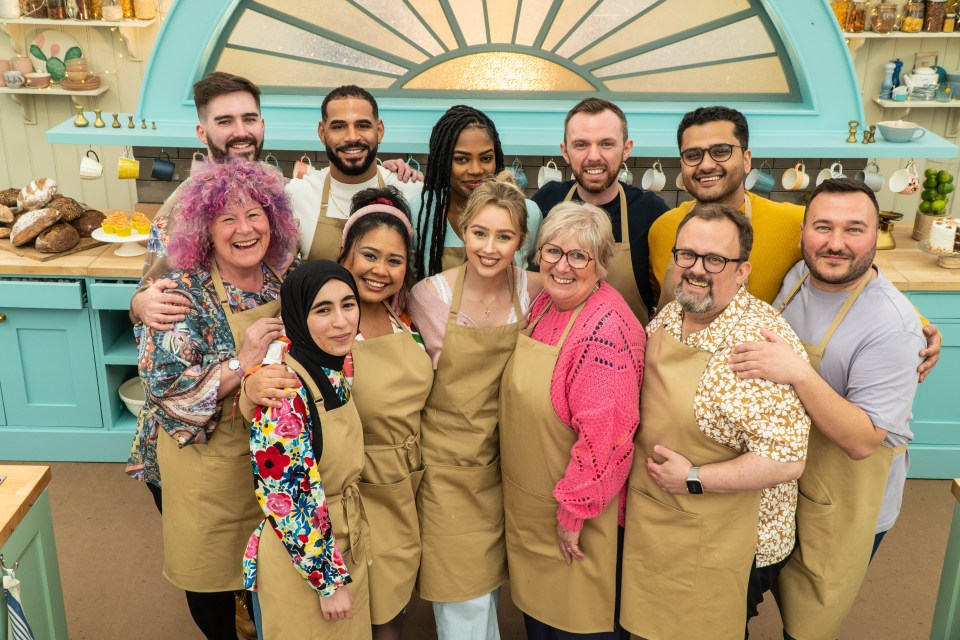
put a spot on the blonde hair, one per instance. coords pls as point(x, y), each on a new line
point(585, 224)
point(500, 191)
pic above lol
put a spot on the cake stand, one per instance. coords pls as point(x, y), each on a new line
point(128, 244)
point(947, 260)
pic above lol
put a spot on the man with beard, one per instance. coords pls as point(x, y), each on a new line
point(595, 145)
point(716, 456)
point(351, 131)
point(862, 337)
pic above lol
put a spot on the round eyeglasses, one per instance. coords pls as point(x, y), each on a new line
point(693, 156)
point(576, 258)
point(712, 263)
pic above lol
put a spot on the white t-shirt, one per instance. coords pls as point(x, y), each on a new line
point(306, 193)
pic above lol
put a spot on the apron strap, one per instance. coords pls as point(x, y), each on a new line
point(325, 196)
point(624, 230)
point(566, 330)
point(867, 277)
point(396, 317)
point(458, 294)
point(793, 292)
point(221, 290)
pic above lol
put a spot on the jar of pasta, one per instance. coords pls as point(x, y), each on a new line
point(145, 9)
point(841, 11)
point(912, 17)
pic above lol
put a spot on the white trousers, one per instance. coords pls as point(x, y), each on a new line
point(474, 619)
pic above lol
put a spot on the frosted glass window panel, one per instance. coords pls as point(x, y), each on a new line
point(533, 14)
point(499, 71)
point(570, 13)
point(399, 16)
point(738, 40)
point(604, 18)
point(740, 79)
point(662, 21)
point(293, 41)
point(432, 13)
point(469, 17)
point(502, 15)
point(266, 70)
point(359, 26)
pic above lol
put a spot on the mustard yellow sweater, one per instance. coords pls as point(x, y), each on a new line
point(776, 243)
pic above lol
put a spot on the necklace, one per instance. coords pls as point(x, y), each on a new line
point(337, 206)
point(486, 305)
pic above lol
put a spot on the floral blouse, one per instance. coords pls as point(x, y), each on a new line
point(290, 492)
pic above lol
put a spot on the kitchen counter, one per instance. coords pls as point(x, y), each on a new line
point(18, 493)
point(910, 269)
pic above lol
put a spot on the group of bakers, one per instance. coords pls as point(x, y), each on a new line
point(645, 418)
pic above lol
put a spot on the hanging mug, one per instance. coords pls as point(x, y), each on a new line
point(796, 178)
point(198, 162)
point(127, 167)
point(302, 167)
point(654, 178)
point(679, 182)
point(519, 175)
point(163, 167)
point(905, 181)
point(835, 171)
point(413, 163)
point(271, 159)
point(871, 176)
point(549, 173)
point(760, 180)
point(90, 168)
point(625, 176)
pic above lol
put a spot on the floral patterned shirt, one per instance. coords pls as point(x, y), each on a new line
point(756, 416)
point(290, 492)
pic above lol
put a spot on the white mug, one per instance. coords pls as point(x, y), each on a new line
point(905, 181)
point(796, 178)
point(625, 176)
point(90, 168)
point(198, 162)
point(549, 173)
point(679, 182)
point(871, 176)
point(835, 171)
point(654, 179)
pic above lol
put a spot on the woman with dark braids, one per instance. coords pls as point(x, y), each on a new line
point(464, 152)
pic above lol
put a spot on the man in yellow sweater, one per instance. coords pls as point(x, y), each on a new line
point(714, 159)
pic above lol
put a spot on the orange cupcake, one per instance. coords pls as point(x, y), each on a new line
point(123, 227)
point(140, 222)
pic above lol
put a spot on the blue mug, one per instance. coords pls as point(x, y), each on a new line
point(163, 167)
point(519, 175)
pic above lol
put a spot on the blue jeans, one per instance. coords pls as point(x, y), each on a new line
point(256, 614)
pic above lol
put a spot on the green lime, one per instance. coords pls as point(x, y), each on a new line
point(926, 207)
point(945, 187)
point(931, 183)
point(928, 195)
point(930, 173)
point(944, 177)
point(938, 206)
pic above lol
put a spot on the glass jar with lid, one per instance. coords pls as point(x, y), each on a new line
point(857, 17)
point(912, 17)
point(934, 13)
point(841, 11)
point(883, 17)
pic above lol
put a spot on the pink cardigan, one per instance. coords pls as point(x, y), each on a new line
point(595, 391)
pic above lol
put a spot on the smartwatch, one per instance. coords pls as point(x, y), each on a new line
point(234, 365)
point(694, 486)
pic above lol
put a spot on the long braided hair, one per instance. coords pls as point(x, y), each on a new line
point(436, 185)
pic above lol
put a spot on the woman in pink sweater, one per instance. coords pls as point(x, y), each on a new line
point(569, 407)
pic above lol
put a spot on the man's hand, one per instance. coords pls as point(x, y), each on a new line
point(158, 307)
point(671, 474)
point(403, 170)
point(930, 355)
point(339, 606)
point(569, 543)
point(775, 360)
point(266, 384)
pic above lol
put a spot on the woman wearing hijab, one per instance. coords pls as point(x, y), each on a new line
point(310, 572)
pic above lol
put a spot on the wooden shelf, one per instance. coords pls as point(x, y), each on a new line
point(916, 104)
point(135, 24)
point(54, 90)
point(899, 34)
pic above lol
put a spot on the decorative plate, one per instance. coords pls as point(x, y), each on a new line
point(50, 51)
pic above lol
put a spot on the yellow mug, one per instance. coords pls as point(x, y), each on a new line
point(128, 168)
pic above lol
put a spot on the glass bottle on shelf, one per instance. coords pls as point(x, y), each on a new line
point(857, 16)
point(57, 9)
point(912, 17)
point(95, 10)
point(145, 9)
point(111, 10)
point(935, 12)
point(883, 17)
point(33, 8)
point(841, 11)
point(950, 23)
point(129, 12)
point(84, 9)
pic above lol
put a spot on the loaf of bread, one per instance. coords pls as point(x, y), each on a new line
point(6, 215)
point(31, 224)
point(4, 232)
point(37, 194)
point(69, 208)
point(88, 222)
point(58, 238)
point(8, 197)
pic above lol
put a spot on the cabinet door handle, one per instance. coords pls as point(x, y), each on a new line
point(3, 317)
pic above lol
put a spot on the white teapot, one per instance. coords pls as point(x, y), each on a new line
point(922, 77)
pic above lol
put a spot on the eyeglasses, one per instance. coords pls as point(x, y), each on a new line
point(693, 156)
point(712, 263)
point(576, 258)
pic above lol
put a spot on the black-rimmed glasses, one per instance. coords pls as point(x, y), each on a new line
point(712, 263)
point(576, 258)
point(693, 156)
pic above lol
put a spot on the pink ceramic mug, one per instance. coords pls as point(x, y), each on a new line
point(23, 64)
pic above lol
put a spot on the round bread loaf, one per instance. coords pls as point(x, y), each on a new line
point(8, 197)
point(69, 208)
point(4, 232)
point(31, 224)
point(6, 215)
point(58, 238)
point(37, 194)
point(87, 223)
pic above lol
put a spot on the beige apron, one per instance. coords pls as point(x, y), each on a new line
point(460, 501)
point(686, 558)
point(290, 606)
point(209, 505)
point(620, 273)
point(329, 232)
point(535, 451)
point(392, 378)
point(837, 512)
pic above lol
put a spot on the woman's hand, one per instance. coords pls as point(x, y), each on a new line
point(256, 339)
point(265, 385)
point(339, 606)
point(569, 543)
point(160, 306)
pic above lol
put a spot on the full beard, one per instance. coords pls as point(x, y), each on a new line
point(708, 196)
point(356, 168)
point(611, 177)
point(220, 154)
point(854, 272)
point(691, 304)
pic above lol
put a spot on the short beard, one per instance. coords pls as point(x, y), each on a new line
point(693, 305)
point(218, 154)
point(856, 270)
point(611, 178)
point(352, 170)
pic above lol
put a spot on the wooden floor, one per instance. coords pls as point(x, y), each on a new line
point(109, 544)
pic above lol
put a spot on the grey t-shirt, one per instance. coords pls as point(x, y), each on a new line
point(871, 360)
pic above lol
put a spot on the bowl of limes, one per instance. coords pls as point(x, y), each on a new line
point(937, 185)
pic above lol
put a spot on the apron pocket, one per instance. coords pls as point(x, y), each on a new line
point(662, 539)
point(227, 497)
point(816, 526)
point(531, 522)
point(391, 511)
point(457, 500)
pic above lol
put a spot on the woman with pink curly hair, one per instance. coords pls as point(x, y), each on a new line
point(235, 234)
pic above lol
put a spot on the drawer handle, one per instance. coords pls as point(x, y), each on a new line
point(3, 317)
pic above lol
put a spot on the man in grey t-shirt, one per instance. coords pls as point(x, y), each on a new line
point(863, 337)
